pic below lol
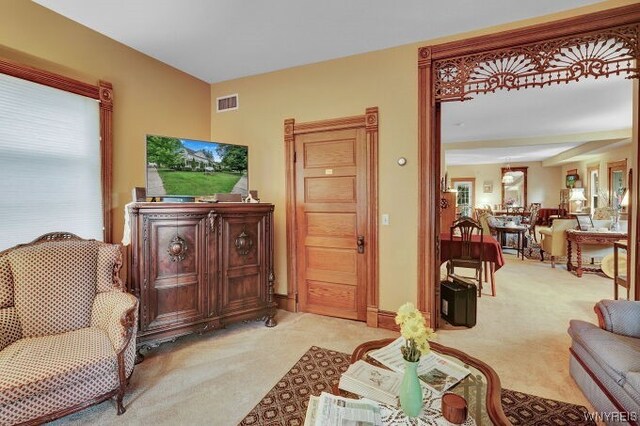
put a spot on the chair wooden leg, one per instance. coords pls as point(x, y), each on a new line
point(493, 279)
point(486, 272)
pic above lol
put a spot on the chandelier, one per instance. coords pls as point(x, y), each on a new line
point(507, 177)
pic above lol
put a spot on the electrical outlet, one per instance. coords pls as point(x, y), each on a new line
point(385, 219)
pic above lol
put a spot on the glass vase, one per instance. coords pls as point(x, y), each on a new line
point(410, 390)
point(615, 222)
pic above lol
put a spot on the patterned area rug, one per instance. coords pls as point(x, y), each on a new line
point(319, 370)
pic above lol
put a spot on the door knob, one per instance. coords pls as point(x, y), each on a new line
point(360, 243)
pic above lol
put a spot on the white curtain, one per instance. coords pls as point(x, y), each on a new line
point(49, 163)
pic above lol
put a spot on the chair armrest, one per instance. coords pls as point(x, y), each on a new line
point(619, 316)
point(544, 230)
point(10, 328)
point(116, 313)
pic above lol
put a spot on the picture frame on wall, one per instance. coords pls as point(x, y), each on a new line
point(571, 180)
point(487, 187)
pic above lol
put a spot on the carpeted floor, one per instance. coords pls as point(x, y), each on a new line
point(319, 370)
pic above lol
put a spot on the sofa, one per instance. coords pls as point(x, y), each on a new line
point(605, 360)
point(67, 328)
point(553, 241)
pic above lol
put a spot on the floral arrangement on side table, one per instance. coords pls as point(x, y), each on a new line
point(413, 328)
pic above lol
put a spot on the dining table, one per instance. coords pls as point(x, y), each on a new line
point(491, 252)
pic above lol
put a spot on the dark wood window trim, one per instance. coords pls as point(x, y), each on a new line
point(442, 61)
point(103, 92)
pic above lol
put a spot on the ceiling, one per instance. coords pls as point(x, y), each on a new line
point(487, 129)
point(217, 40)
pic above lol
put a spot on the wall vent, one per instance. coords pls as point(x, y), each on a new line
point(227, 103)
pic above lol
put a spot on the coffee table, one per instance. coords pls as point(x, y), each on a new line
point(481, 388)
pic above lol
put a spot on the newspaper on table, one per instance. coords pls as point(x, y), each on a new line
point(435, 371)
point(372, 382)
point(329, 409)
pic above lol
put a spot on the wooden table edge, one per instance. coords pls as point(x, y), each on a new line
point(494, 388)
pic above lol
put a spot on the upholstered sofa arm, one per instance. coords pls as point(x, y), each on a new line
point(544, 230)
point(116, 312)
point(10, 329)
point(619, 316)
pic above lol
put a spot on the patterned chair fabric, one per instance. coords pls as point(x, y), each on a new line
point(605, 360)
point(68, 328)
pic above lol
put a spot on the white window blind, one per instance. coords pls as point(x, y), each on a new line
point(49, 163)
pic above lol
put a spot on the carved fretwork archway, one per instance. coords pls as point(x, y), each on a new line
point(563, 60)
point(596, 45)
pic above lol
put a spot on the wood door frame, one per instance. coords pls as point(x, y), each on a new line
point(616, 166)
point(368, 121)
point(429, 114)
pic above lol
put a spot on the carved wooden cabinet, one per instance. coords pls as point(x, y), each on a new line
point(199, 266)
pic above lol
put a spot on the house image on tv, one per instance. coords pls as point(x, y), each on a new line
point(195, 160)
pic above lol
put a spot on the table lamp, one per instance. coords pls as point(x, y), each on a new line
point(625, 199)
point(578, 197)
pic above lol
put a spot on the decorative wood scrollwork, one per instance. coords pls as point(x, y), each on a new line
point(177, 249)
point(597, 54)
point(243, 243)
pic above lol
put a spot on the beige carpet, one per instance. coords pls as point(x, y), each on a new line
point(217, 378)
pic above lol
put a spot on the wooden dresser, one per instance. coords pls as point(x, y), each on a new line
point(198, 266)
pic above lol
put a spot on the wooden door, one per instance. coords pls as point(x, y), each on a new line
point(244, 270)
point(331, 215)
point(174, 272)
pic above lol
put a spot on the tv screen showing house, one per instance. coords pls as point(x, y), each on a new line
point(178, 167)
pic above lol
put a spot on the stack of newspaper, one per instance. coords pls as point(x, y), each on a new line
point(435, 371)
point(372, 382)
point(328, 409)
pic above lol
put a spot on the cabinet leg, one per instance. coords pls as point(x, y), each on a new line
point(270, 322)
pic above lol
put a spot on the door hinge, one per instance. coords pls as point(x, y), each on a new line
point(295, 156)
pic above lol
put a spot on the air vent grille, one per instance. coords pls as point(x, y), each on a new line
point(227, 103)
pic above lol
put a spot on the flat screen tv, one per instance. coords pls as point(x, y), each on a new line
point(178, 167)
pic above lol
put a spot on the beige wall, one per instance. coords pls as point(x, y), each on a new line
point(154, 98)
point(600, 161)
point(542, 182)
point(344, 87)
point(149, 96)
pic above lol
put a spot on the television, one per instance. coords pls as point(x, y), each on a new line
point(185, 168)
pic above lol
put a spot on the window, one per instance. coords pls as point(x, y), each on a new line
point(594, 187)
point(464, 196)
point(50, 162)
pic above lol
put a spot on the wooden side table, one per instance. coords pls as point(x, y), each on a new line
point(588, 237)
point(619, 279)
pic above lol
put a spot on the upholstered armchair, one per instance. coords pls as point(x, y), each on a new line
point(67, 328)
point(554, 241)
point(605, 359)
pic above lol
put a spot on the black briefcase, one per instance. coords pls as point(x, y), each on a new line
point(458, 301)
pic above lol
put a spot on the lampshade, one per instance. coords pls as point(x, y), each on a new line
point(507, 179)
point(577, 196)
point(625, 199)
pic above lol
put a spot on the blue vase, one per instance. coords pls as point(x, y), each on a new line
point(410, 390)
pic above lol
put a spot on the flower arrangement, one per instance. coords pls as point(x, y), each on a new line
point(413, 328)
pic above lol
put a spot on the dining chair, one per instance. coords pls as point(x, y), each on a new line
point(471, 253)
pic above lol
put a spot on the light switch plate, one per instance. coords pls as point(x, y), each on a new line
point(385, 219)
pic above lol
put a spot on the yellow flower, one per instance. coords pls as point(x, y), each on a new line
point(404, 312)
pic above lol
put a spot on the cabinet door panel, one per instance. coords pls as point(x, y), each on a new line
point(243, 263)
point(175, 276)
